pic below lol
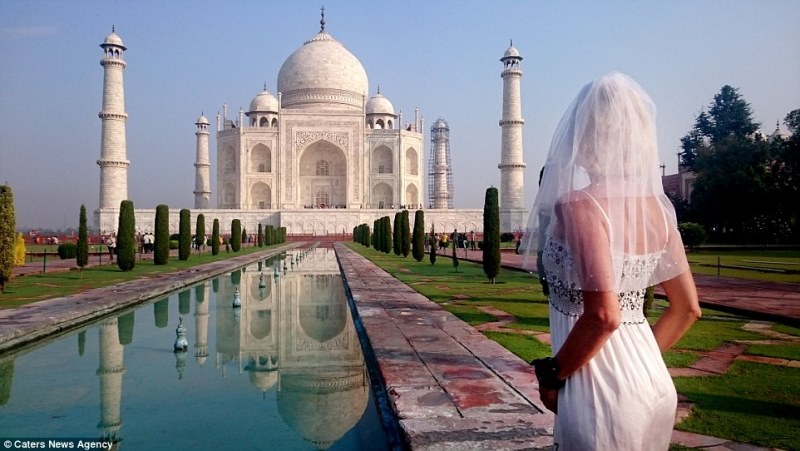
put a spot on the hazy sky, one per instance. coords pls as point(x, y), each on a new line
point(188, 57)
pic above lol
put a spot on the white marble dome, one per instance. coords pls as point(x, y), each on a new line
point(264, 102)
point(202, 120)
point(322, 71)
point(113, 39)
point(378, 104)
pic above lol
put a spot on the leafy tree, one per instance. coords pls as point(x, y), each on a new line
point(244, 236)
point(126, 237)
point(215, 237)
point(8, 233)
point(82, 259)
point(185, 234)
point(200, 232)
point(405, 234)
point(161, 246)
point(491, 235)
point(376, 236)
point(236, 235)
point(418, 241)
point(728, 116)
point(260, 235)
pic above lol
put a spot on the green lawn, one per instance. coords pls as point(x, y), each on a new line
point(752, 403)
point(774, 266)
point(36, 287)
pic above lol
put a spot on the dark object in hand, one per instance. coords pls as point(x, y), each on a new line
point(547, 370)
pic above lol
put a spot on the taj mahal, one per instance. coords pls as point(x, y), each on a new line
point(318, 157)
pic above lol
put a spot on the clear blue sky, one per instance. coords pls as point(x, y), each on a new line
point(188, 57)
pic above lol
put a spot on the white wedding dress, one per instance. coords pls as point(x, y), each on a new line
point(624, 398)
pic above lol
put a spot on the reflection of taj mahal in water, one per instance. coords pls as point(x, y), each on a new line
point(321, 156)
point(293, 337)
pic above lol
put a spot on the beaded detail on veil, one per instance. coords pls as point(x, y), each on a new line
point(568, 299)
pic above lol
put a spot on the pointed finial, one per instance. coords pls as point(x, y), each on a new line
point(322, 20)
point(379, 89)
point(265, 86)
point(511, 43)
point(112, 29)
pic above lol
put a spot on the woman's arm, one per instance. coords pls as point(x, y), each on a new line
point(601, 317)
point(683, 310)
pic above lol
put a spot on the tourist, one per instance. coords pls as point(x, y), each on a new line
point(111, 243)
point(610, 232)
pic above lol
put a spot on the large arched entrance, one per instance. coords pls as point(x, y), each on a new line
point(323, 176)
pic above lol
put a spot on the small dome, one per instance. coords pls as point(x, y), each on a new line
point(264, 102)
point(379, 104)
point(263, 380)
point(202, 120)
point(322, 71)
point(511, 52)
point(440, 123)
point(778, 133)
point(113, 39)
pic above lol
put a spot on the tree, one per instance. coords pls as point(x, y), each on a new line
point(82, 259)
point(185, 234)
point(405, 234)
point(418, 241)
point(161, 247)
point(376, 236)
point(387, 235)
point(260, 235)
point(126, 237)
point(243, 239)
point(215, 237)
point(728, 116)
point(19, 250)
point(8, 233)
point(396, 238)
point(692, 234)
point(200, 232)
point(491, 235)
point(236, 235)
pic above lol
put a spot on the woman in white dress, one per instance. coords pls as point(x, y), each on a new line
point(606, 231)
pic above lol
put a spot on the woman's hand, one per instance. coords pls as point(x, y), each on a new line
point(549, 398)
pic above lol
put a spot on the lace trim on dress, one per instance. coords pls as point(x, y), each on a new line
point(567, 297)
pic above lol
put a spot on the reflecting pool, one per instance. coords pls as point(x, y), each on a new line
point(284, 370)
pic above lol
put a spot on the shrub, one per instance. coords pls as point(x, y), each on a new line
point(175, 237)
point(67, 250)
point(260, 235)
point(162, 236)
point(215, 237)
point(387, 235)
point(126, 239)
point(405, 235)
point(8, 233)
point(174, 244)
point(506, 237)
point(397, 236)
point(418, 241)
point(185, 235)
point(692, 234)
point(19, 250)
point(83, 240)
point(236, 235)
point(491, 235)
point(200, 231)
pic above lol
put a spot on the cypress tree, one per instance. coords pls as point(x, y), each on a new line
point(184, 302)
point(126, 239)
point(236, 235)
point(82, 259)
point(215, 237)
point(418, 240)
point(433, 246)
point(282, 231)
point(367, 236)
point(397, 236)
point(184, 235)
point(8, 234)
point(200, 232)
point(491, 235)
point(387, 235)
point(405, 242)
point(244, 236)
point(260, 235)
point(376, 237)
point(161, 247)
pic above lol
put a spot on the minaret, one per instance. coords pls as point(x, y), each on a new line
point(113, 148)
point(512, 188)
point(202, 182)
point(202, 298)
point(440, 174)
point(110, 373)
